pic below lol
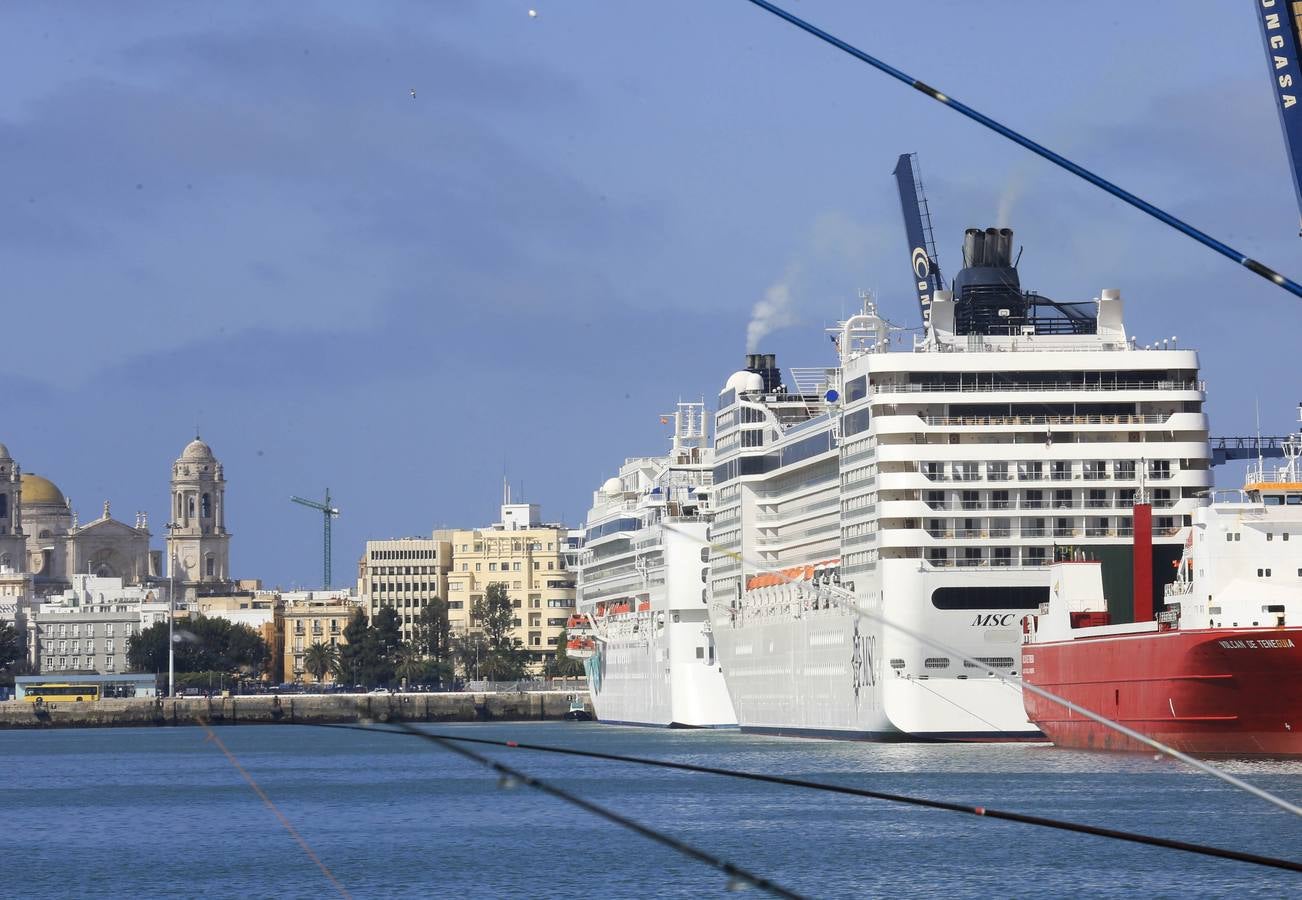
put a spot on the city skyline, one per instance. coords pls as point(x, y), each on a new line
point(244, 219)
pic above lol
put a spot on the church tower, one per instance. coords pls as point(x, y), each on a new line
point(13, 544)
point(198, 545)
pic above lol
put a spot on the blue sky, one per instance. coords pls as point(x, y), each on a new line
point(236, 216)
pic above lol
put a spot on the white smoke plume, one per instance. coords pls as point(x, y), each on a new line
point(1008, 199)
point(776, 309)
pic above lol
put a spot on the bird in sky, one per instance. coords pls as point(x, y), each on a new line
point(413, 93)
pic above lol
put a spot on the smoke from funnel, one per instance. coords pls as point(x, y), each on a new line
point(776, 309)
point(1008, 198)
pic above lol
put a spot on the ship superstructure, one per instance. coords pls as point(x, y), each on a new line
point(934, 483)
point(642, 577)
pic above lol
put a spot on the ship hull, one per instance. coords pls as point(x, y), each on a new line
point(802, 669)
point(655, 676)
point(1208, 692)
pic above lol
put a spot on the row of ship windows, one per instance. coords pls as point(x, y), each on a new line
point(1055, 470)
point(1061, 498)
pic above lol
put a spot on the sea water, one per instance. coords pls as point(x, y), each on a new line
point(163, 812)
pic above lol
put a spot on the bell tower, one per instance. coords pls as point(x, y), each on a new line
point(13, 543)
point(198, 545)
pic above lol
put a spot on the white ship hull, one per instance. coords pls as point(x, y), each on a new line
point(654, 676)
point(798, 668)
point(642, 583)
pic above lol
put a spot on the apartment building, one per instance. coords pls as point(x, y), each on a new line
point(405, 574)
point(525, 555)
point(316, 618)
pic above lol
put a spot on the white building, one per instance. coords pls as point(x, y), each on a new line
point(87, 628)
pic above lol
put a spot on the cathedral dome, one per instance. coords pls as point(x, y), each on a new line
point(197, 449)
point(41, 490)
point(4, 452)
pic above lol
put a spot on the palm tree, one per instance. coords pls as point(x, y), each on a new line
point(412, 665)
point(321, 658)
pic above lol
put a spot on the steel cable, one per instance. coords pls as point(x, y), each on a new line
point(983, 811)
point(1016, 137)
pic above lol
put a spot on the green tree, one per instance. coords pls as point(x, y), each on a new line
point(469, 650)
point(506, 659)
point(202, 644)
point(320, 659)
point(433, 639)
point(353, 666)
point(561, 664)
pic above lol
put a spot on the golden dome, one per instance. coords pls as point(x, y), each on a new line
point(41, 490)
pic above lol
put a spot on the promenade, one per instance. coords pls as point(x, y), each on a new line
point(264, 709)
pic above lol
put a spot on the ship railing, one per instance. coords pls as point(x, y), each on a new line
point(985, 563)
point(1040, 505)
point(1122, 419)
point(816, 506)
point(786, 536)
point(956, 387)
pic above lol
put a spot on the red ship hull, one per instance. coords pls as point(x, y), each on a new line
point(1224, 691)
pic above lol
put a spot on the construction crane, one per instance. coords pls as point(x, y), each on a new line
point(329, 512)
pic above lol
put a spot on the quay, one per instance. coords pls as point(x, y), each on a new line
point(263, 709)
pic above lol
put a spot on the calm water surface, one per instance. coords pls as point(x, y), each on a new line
point(161, 812)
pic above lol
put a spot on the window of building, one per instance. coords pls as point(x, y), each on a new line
point(108, 629)
point(535, 639)
point(515, 603)
point(477, 565)
point(551, 566)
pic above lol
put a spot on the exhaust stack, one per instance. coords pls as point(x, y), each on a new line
point(1143, 571)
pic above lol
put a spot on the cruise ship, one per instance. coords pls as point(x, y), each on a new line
point(643, 586)
point(934, 484)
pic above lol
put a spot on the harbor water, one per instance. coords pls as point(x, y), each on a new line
point(151, 812)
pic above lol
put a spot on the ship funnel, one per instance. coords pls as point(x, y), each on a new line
point(973, 242)
point(766, 366)
point(1006, 246)
point(1143, 570)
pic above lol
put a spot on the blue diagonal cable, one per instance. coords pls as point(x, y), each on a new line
point(1139, 203)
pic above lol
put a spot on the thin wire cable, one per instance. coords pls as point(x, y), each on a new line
point(983, 811)
point(275, 810)
point(737, 876)
point(1080, 171)
point(848, 602)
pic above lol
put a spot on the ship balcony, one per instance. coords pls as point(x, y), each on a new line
point(1002, 384)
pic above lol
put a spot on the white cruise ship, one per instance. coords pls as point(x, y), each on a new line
point(936, 484)
point(642, 582)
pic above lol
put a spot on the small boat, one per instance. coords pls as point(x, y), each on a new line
point(578, 711)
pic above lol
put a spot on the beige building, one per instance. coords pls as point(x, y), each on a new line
point(406, 574)
point(525, 555)
point(313, 620)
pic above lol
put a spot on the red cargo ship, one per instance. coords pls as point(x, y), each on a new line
point(1219, 669)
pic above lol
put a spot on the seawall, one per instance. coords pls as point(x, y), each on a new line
point(262, 709)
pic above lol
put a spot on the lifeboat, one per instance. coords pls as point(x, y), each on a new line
point(578, 624)
point(582, 647)
point(643, 606)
